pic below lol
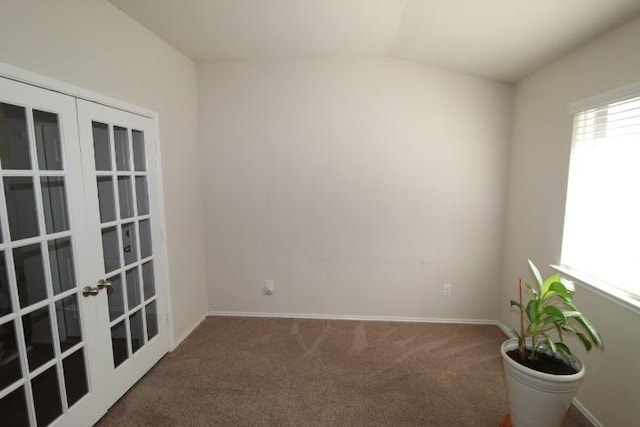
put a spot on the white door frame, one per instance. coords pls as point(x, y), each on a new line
point(34, 79)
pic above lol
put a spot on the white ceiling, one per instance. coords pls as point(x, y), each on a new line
point(499, 39)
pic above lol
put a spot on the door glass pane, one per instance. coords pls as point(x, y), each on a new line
point(75, 377)
point(21, 207)
point(137, 332)
point(126, 197)
point(37, 337)
point(152, 320)
point(129, 246)
point(61, 261)
point(119, 343)
point(5, 297)
point(13, 408)
point(115, 296)
point(110, 249)
point(29, 274)
point(139, 158)
point(145, 238)
point(133, 288)
point(121, 140)
point(68, 318)
point(47, 140)
point(106, 199)
point(46, 396)
point(14, 140)
point(9, 360)
point(148, 283)
point(142, 196)
point(54, 201)
point(101, 148)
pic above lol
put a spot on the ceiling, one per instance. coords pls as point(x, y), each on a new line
point(498, 39)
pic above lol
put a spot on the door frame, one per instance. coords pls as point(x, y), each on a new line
point(12, 72)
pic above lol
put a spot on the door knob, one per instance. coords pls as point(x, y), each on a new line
point(104, 284)
point(88, 290)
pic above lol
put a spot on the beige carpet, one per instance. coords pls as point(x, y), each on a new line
point(291, 372)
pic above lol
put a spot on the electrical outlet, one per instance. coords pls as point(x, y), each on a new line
point(447, 289)
point(268, 287)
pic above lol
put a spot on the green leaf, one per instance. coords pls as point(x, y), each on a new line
point(532, 310)
point(564, 350)
point(559, 329)
point(536, 273)
point(516, 303)
point(555, 313)
point(585, 341)
point(563, 347)
point(568, 302)
point(595, 336)
point(556, 287)
point(551, 280)
point(571, 313)
point(550, 344)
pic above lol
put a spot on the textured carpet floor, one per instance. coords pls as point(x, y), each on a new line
point(291, 372)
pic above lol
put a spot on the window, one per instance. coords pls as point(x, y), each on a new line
point(602, 218)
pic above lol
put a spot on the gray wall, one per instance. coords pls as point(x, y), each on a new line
point(359, 186)
point(537, 188)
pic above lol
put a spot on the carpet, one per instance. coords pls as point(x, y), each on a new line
point(297, 372)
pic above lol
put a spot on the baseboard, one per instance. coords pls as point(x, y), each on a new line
point(506, 331)
point(353, 317)
point(184, 336)
point(588, 415)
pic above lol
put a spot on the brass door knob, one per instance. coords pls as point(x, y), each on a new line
point(104, 284)
point(89, 291)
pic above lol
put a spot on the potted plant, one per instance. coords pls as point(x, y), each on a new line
point(542, 372)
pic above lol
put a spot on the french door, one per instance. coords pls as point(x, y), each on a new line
point(82, 297)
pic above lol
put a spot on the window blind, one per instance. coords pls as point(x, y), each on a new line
point(602, 217)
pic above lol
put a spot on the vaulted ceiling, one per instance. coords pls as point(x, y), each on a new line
point(499, 39)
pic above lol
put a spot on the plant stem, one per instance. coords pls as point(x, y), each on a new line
point(521, 343)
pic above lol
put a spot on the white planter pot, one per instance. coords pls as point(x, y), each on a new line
point(537, 399)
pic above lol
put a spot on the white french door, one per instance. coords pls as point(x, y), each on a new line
point(122, 203)
point(82, 300)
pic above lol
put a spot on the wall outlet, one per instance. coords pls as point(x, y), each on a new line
point(268, 287)
point(447, 289)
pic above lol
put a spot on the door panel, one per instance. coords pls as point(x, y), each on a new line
point(122, 205)
point(47, 330)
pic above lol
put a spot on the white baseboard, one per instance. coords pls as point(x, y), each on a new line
point(177, 342)
point(352, 317)
point(506, 331)
point(588, 415)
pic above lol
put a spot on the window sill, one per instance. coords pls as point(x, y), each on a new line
point(605, 290)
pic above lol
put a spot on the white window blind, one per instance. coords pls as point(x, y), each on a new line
point(602, 218)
